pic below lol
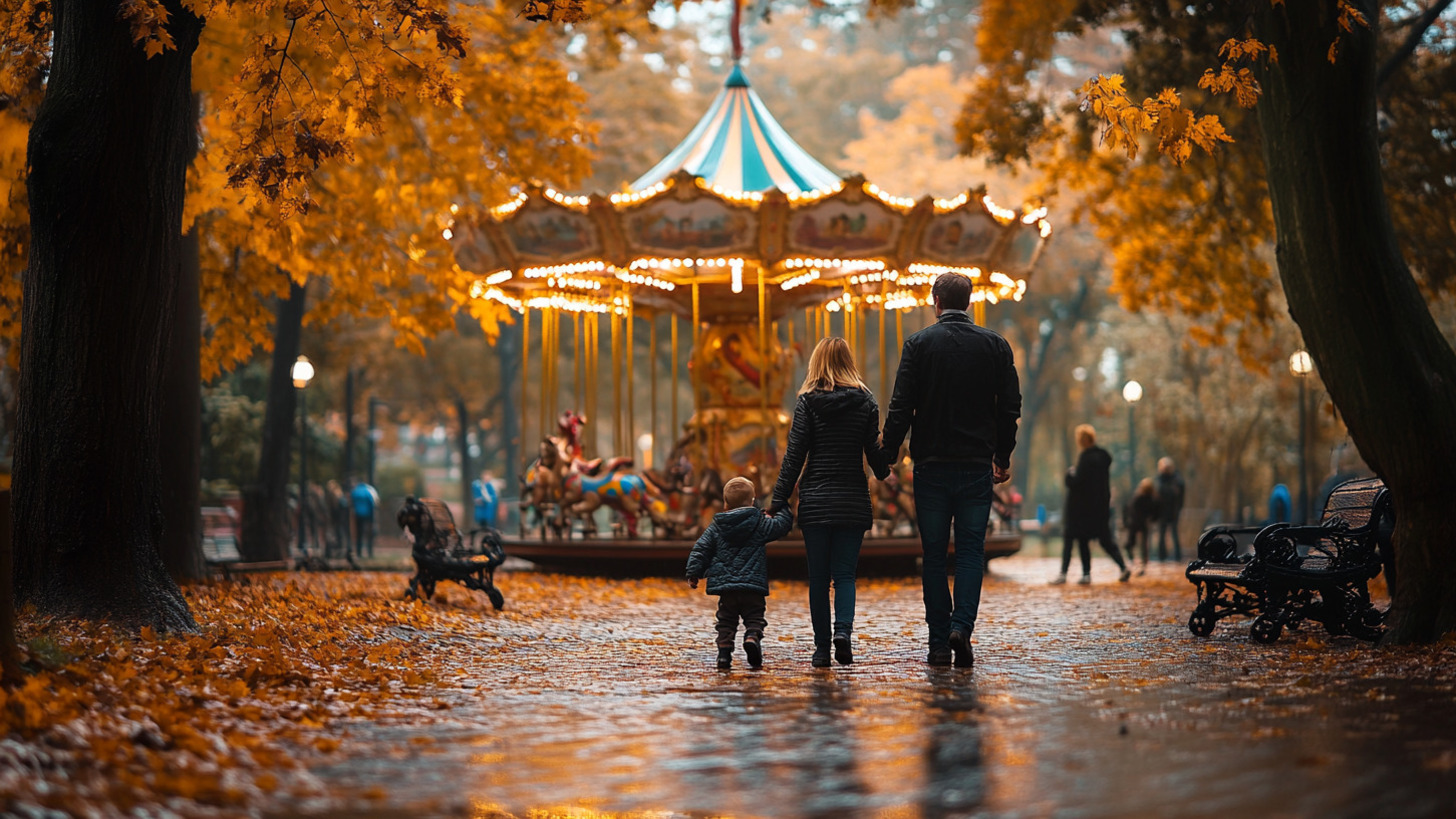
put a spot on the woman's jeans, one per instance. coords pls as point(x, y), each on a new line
point(833, 553)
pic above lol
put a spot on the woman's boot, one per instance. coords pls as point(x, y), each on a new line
point(821, 657)
point(842, 653)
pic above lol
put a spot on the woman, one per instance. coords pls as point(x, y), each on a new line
point(1089, 505)
point(836, 427)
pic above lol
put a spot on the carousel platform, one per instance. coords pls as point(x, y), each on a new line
point(644, 557)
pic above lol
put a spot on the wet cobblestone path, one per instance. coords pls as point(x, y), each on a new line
point(596, 696)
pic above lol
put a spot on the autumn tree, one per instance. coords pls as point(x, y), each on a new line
point(1311, 72)
point(307, 85)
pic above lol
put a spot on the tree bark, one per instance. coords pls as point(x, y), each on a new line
point(1383, 359)
point(181, 446)
point(108, 160)
point(265, 526)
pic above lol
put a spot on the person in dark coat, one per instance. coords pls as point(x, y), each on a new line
point(732, 553)
point(1142, 510)
point(1089, 503)
point(836, 428)
point(957, 391)
point(1170, 506)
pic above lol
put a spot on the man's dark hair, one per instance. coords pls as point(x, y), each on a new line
point(951, 291)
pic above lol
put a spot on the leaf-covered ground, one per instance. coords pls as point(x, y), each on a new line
point(328, 694)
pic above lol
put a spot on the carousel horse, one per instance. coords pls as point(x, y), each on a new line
point(569, 425)
point(625, 493)
point(541, 487)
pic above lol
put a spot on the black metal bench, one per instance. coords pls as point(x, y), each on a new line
point(1298, 573)
point(440, 553)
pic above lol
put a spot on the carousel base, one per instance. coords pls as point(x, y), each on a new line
point(643, 557)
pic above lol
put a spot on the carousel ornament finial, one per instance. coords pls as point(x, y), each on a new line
point(733, 31)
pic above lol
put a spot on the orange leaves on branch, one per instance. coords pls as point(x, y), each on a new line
point(1176, 127)
point(148, 22)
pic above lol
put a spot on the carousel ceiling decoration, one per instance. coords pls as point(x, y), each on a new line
point(739, 202)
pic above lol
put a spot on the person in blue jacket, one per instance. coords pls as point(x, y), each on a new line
point(486, 500)
point(365, 501)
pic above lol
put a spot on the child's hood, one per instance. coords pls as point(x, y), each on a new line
point(739, 524)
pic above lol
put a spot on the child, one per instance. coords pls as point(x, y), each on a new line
point(731, 553)
point(1141, 511)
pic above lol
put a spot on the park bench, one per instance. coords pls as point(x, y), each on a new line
point(441, 553)
point(1298, 573)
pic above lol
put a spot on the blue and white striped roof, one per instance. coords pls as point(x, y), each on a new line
point(739, 147)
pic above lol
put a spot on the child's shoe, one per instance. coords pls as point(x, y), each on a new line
point(754, 650)
point(1059, 580)
point(1085, 581)
point(725, 658)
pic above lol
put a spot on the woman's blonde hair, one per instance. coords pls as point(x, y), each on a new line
point(1146, 487)
point(1085, 434)
point(831, 365)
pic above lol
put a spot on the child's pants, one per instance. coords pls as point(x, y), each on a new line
point(748, 605)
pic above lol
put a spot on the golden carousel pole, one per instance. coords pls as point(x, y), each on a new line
point(652, 381)
point(593, 354)
point(578, 370)
point(979, 312)
point(884, 359)
point(616, 327)
point(631, 391)
point(763, 368)
point(548, 365)
point(672, 437)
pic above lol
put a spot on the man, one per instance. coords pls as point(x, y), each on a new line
point(365, 501)
point(483, 492)
point(957, 390)
point(1170, 506)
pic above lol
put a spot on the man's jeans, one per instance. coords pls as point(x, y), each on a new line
point(946, 492)
point(833, 554)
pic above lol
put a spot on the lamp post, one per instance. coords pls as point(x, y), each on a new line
point(302, 373)
point(1132, 392)
point(1301, 365)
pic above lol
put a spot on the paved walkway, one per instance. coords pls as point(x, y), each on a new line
point(590, 695)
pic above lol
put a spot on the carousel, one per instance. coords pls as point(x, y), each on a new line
point(743, 250)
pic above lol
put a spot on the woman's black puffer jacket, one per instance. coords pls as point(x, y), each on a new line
point(835, 431)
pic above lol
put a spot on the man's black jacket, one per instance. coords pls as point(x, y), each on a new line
point(957, 389)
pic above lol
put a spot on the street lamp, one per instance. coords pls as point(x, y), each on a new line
point(1132, 392)
point(1301, 365)
point(302, 373)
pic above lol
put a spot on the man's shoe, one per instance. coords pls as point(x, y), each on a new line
point(1126, 573)
point(960, 645)
point(842, 652)
point(754, 651)
point(1085, 581)
point(1059, 580)
point(821, 657)
point(725, 658)
point(939, 656)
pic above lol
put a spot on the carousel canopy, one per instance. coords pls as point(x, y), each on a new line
point(738, 147)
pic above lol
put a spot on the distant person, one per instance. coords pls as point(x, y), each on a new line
point(366, 503)
point(1170, 506)
point(732, 553)
point(1281, 505)
point(958, 397)
point(486, 500)
point(1142, 510)
point(836, 429)
point(1088, 508)
point(338, 506)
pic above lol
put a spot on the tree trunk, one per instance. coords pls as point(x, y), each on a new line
point(181, 446)
point(462, 415)
point(108, 161)
point(265, 526)
point(10, 670)
point(1385, 363)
